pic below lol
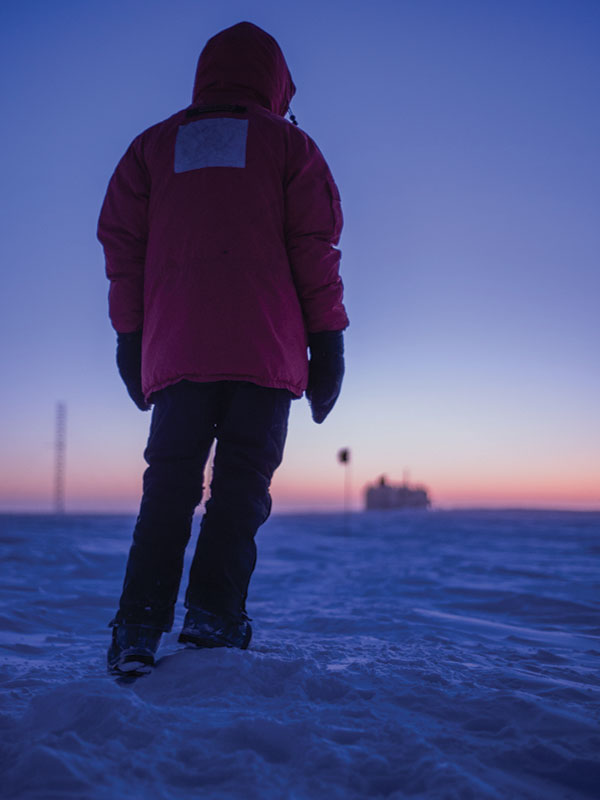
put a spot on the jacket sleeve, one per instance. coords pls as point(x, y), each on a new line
point(313, 227)
point(123, 233)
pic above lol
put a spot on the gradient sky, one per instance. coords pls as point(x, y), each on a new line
point(464, 139)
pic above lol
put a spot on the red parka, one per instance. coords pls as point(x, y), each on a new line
point(219, 229)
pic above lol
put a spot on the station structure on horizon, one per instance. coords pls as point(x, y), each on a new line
point(383, 495)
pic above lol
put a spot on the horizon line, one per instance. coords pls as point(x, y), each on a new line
point(317, 511)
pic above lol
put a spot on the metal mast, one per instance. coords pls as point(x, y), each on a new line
point(344, 458)
point(60, 446)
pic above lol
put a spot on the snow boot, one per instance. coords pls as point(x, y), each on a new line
point(132, 649)
point(204, 629)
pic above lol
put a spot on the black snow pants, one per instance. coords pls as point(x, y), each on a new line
point(249, 423)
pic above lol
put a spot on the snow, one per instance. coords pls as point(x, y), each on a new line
point(396, 654)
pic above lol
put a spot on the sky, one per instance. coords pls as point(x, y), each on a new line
point(463, 137)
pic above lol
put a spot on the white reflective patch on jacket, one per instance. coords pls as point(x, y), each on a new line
point(211, 143)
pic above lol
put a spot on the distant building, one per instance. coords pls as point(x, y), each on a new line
point(383, 495)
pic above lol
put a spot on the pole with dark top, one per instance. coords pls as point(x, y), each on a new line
point(344, 458)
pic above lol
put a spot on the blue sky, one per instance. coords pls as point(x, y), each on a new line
point(464, 140)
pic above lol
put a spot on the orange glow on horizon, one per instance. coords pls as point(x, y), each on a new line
point(120, 490)
point(576, 495)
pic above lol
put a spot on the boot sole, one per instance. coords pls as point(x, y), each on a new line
point(132, 665)
point(197, 641)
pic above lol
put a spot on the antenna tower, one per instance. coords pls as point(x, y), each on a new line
point(60, 446)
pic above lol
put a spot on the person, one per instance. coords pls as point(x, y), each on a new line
point(219, 230)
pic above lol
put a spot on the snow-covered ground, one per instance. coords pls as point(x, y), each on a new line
point(420, 655)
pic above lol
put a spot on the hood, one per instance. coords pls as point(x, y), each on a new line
point(244, 62)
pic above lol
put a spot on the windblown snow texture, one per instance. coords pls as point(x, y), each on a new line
point(421, 655)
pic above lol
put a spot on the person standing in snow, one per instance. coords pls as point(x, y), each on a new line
point(219, 229)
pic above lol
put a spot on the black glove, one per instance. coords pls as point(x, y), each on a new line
point(325, 371)
point(129, 362)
